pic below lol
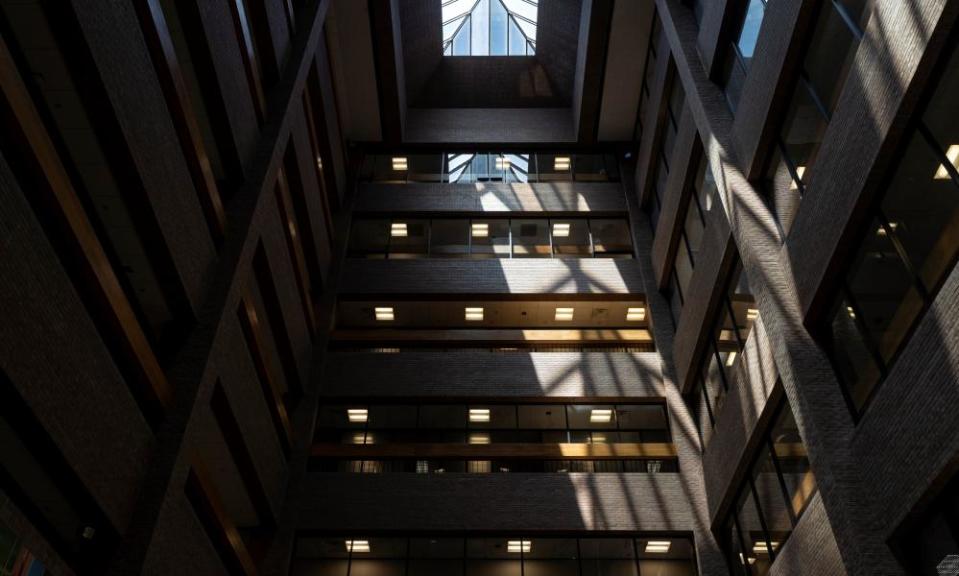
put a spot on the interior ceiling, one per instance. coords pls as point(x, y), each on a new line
point(543, 80)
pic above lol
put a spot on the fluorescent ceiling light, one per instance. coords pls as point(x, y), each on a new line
point(635, 314)
point(479, 414)
point(600, 415)
point(881, 231)
point(598, 438)
point(358, 546)
point(502, 163)
point(359, 438)
point(480, 230)
point(752, 313)
point(851, 312)
point(561, 163)
point(731, 359)
point(561, 230)
point(479, 437)
point(563, 315)
point(517, 546)
point(800, 170)
point(760, 547)
point(399, 163)
point(383, 313)
point(357, 414)
point(658, 546)
point(952, 153)
point(398, 230)
point(474, 314)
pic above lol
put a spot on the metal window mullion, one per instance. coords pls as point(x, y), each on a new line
point(937, 150)
point(743, 553)
point(903, 256)
point(852, 24)
point(709, 407)
point(817, 101)
point(791, 168)
point(592, 247)
point(858, 320)
point(782, 480)
point(762, 519)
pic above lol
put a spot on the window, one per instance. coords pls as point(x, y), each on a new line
point(702, 200)
point(505, 167)
point(734, 320)
point(479, 238)
point(775, 493)
point(385, 429)
point(931, 535)
point(507, 555)
point(675, 103)
point(489, 27)
point(909, 246)
point(740, 52)
point(649, 72)
point(827, 63)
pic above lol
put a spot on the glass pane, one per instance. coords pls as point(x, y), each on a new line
point(693, 229)
point(492, 416)
point(922, 206)
point(594, 168)
point(591, 416)
point(489, 238)
point(803, 131)
point(650, 418)
point(611, 238)
point(749, 33)
point(530, 238)
point(684, 266)
point(321, 557)
point(783, 192)
point(706, 191)
point(480, 22)
point(855, 363)
point(551, 557)
point(461, 42)
point(369, 238)
point(883, 291)
point(517, 41)
point(830, 56)
point(678, 561)
point(497, 29)
point(608, 557)
point(443, 416)
point(793, 461)
point(408, 239)
point(554, 167)
point(386, 416)
point(386, 557)
point(495, 556)
point(734, 77)
point(752, 532)
point(675, 299)
point(425, 168)
point(436, 556)
point(570, 238)
point(449, 238)
point(734, 549)
point(713, 379)
point(772, 502)
point(540, 417)
point(940, 115)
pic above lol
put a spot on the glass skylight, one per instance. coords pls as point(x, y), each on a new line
point(489, 27)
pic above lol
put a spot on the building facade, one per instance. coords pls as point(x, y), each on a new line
point(450, 287)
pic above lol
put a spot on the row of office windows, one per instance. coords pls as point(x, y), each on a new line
point(493, 423)
point(825, 70)
point(702, 200)
point(488, 555)
point(776, 491)
point(490, 238)
point(504, 466)
point(507, 167)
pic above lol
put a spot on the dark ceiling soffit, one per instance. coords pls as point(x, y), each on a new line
point(432, 147)
point(388, 81)
point(597, 45)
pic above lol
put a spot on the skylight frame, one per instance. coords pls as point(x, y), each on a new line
point(516, 20)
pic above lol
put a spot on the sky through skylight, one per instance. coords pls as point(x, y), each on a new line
point(489, 27)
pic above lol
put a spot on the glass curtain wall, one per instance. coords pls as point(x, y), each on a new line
point(740, 52)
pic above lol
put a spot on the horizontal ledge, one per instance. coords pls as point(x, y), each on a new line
point(505, 451)
point(488, 297)
point(494, 337)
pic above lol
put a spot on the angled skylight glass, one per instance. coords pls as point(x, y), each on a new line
point(489, 27)
point(468, 168)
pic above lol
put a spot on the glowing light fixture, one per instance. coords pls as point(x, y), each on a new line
point(517, 546)
point(952, 153)
point(479, 414)
point(502, 163)
point(561, 230)
point(881, 231)
point(400, 164)
point(479, 438)
point(731, 359)
point(480, 230)
point(398, 230)
point(561, 163)
point(563, 315)
point(357, 414)
point(658, 546)
point(600, 415)
point(851, 312)
point(358, 546)
point(752, 313)
point(474, 314)
point(635, 314)
point(383, 313)
point(760, 547)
